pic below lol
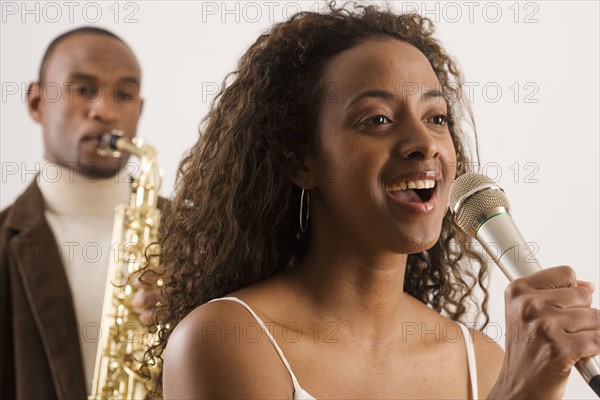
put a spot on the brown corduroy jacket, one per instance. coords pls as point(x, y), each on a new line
point(40, 354)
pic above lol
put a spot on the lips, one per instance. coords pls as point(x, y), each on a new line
point(88, 137)
point(415, 192)
point(95, 134)
point(89, 144)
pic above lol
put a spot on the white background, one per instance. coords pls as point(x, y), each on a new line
point(533, 70)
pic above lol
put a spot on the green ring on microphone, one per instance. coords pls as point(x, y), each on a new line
point(488, 218)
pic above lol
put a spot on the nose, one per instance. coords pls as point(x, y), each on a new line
point(103, 109)
point(416, 141)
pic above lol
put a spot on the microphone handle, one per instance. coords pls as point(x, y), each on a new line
point(501, 239)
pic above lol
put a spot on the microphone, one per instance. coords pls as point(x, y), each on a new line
point(481, 209)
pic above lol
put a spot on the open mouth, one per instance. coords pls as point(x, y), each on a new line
point(424, 194)
point(419, 191)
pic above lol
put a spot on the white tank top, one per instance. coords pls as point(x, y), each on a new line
point(301, 394)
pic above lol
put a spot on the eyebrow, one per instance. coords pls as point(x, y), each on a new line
point(432, 94)
point(379, 94)
point(79, 76)
point(383, 94)
point(82, 77)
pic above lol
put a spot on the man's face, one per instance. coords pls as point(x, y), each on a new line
point(91, 85)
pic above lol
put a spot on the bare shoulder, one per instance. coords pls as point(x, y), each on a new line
point(489, 357)
point(219, 351)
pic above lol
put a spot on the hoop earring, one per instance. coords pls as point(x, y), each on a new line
point(303, 225)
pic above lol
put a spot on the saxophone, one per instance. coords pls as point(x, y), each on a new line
point(124, 340)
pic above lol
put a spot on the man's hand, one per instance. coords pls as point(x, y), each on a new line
point(147, 298)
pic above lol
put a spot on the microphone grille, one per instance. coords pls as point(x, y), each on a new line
point(471, 196)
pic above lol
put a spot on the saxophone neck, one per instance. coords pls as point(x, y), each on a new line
point(149, 181)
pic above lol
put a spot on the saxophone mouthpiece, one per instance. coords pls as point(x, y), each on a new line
point(108, 144)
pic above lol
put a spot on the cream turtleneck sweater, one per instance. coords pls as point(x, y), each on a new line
point(80, 212)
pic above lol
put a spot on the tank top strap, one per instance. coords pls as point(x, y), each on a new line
point(266, 331)
point(471, 360)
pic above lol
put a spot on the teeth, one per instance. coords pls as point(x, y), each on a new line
point(419, 184)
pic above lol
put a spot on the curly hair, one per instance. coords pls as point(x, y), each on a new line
point(234, 217)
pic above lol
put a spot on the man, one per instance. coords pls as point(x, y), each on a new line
point(56, 237)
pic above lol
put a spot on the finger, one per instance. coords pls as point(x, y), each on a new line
point(550, 278)
point(580, 320)
point(146, 318)
point(583, 344)
point(143, 300)
point(138, 284)
point(148, 281)
point(571, 297)
point(589, 285)
point(138, 301)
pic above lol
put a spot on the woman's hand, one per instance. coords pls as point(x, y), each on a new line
point(550, 326)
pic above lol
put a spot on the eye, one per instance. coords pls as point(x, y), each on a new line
point(125, 91)
point(440, 119)
point(121, 95)
point(377, 120)
point(89, 91)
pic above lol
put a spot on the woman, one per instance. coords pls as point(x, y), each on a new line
point(313, 208)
